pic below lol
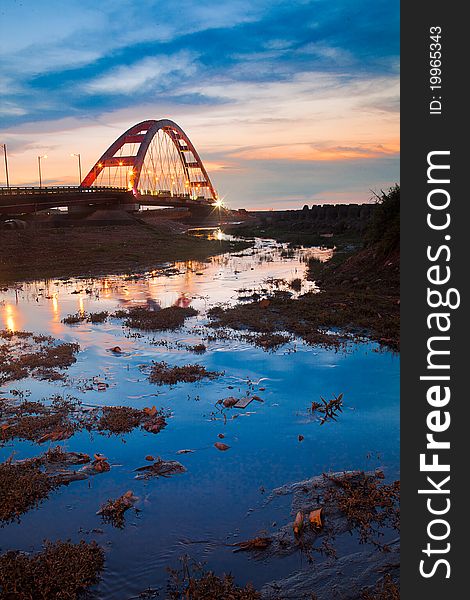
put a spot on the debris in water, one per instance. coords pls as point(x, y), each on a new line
point(298, 523)
point(221, 446)
point(113, 510)
point(315, 518)
point(100, 464)
point(229, 402)
point(244, 402)
point(329, 409)
point(160, 468)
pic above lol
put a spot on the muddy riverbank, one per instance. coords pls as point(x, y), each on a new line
point(99, 250)
point(358, 290)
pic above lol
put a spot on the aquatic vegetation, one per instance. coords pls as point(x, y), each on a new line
point(58, 418)
point(37, 421)
point(329, 409)
point(164, 319)
point(161, 373)
point(23, 486)
point(198, 348)
point(80, 317)
point(98, 317)
point(368, 504)
point(74, 319)
point(119, 419)
point(24, 354)
point(62, 570)
point(296, 284)
point(193, 582)
point(330, 318)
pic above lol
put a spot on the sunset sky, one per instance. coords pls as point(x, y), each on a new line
point(288, 102)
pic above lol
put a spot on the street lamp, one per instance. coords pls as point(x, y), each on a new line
point(6, 165)
point(39, 168)
point(79, 168)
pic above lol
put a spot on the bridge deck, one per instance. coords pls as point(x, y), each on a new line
point(20, 200)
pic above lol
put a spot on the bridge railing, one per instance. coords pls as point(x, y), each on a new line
point(59, 189)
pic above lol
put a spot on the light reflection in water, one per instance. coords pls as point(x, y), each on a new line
point(222, 487)
point(9, 317)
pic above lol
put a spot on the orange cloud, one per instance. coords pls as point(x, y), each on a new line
point(310, 152)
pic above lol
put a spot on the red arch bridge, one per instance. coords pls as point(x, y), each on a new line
point(153, 163)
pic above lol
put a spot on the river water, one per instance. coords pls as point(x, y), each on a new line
point(220, 499)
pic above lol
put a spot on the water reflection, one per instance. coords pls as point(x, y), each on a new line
point(200, 511)
point(9, 317)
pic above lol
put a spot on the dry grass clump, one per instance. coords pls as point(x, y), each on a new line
point(296, 284)
point(269, 341)
point(24, 354)
point(123, 419)
point(198, 348)
point(161, 373)
point(74, 319)
point(61, 417)
point(164, 319)
point(79, 317)
point(119, 419)
point(191, 582)
point(366, 502)
point(62, 571)
point(24, 484)
point(38, 422)
point(98, 317)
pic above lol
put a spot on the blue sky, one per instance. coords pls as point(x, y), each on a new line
point(287, 102)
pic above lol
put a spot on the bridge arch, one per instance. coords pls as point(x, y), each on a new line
point(153, 157)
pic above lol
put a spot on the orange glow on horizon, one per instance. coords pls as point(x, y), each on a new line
point(307, 152)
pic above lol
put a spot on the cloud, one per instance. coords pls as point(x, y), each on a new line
point(298, 85)
point(316, 152)
point(149, 74)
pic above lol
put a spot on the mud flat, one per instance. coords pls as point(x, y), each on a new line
point(99, 250)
